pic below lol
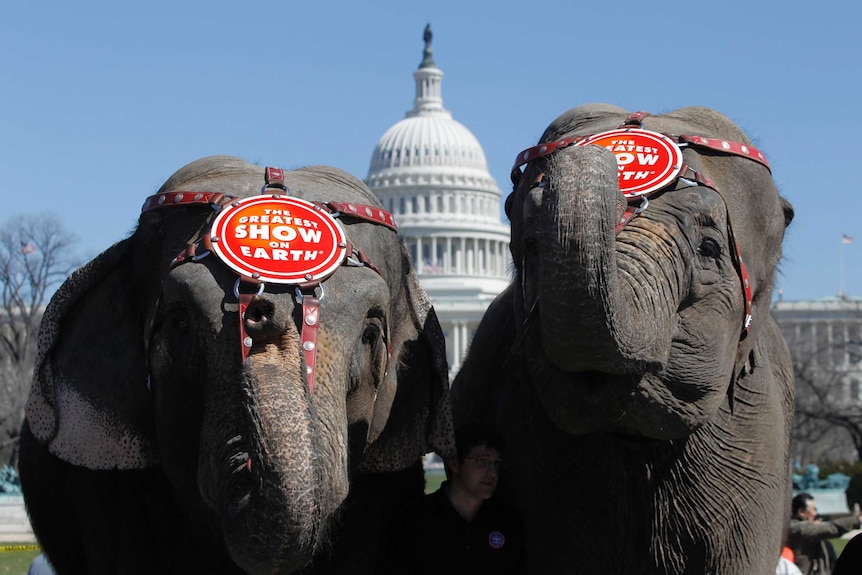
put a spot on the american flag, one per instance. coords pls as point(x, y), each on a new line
point(27, 248)
point(430, 267)
point(847, 239)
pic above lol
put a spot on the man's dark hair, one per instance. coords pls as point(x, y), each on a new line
point(472, 434)
point(800, 502)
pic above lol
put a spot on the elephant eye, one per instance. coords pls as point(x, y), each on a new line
point(171, 318)
point(368, 365)
point(181, 324)
point(709, 248)
point(374, 332)
point(371, 333)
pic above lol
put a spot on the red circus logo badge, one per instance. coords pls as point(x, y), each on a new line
point(278, 239)
point(647, 161)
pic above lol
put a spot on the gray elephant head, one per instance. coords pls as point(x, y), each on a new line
point(254, 403)
point(679, 294)
point(642, 369)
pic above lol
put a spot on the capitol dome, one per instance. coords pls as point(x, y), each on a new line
point(430, 172)
point(427, 139)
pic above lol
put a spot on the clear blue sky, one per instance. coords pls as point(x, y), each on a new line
point(101, 101)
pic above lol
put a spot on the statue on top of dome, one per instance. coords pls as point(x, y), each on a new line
point(427, 60)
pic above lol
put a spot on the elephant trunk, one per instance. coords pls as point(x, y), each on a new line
point(593, 317)
point(279, 499)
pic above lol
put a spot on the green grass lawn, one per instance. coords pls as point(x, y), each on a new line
point(15, 562)
point(838, 545)
point(433, 481)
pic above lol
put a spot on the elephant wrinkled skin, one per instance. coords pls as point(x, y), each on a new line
point(152, 446)
point(645, 433)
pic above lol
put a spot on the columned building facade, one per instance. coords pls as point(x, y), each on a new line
point(825, 340)
point(430, 172)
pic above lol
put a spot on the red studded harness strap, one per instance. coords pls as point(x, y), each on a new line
point(269, 224)
point(637, 194)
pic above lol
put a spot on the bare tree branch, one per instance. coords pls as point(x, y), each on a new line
point(828, 394)
point(35, 257)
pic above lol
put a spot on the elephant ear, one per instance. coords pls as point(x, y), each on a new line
point(420, 418)
point(89, 401)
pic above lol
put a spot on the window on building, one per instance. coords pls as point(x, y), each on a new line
point(838, 344)
point(822, 341)
point(412, 247)
point(854, 343)
point(854, 390)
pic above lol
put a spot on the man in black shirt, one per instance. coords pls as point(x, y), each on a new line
point(461, 526)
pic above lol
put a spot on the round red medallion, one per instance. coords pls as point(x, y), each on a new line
point(278, 239)
point(647, 161)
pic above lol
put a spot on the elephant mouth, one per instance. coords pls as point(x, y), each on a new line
point(635, 441)
point(638, 407)
point(225, 479)
point(585, 402)
point(238, 485)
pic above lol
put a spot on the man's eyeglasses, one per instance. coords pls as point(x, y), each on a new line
point(487, 462)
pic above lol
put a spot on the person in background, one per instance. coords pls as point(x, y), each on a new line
point(460, 527)
point(786, 565)
point(808, 535)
